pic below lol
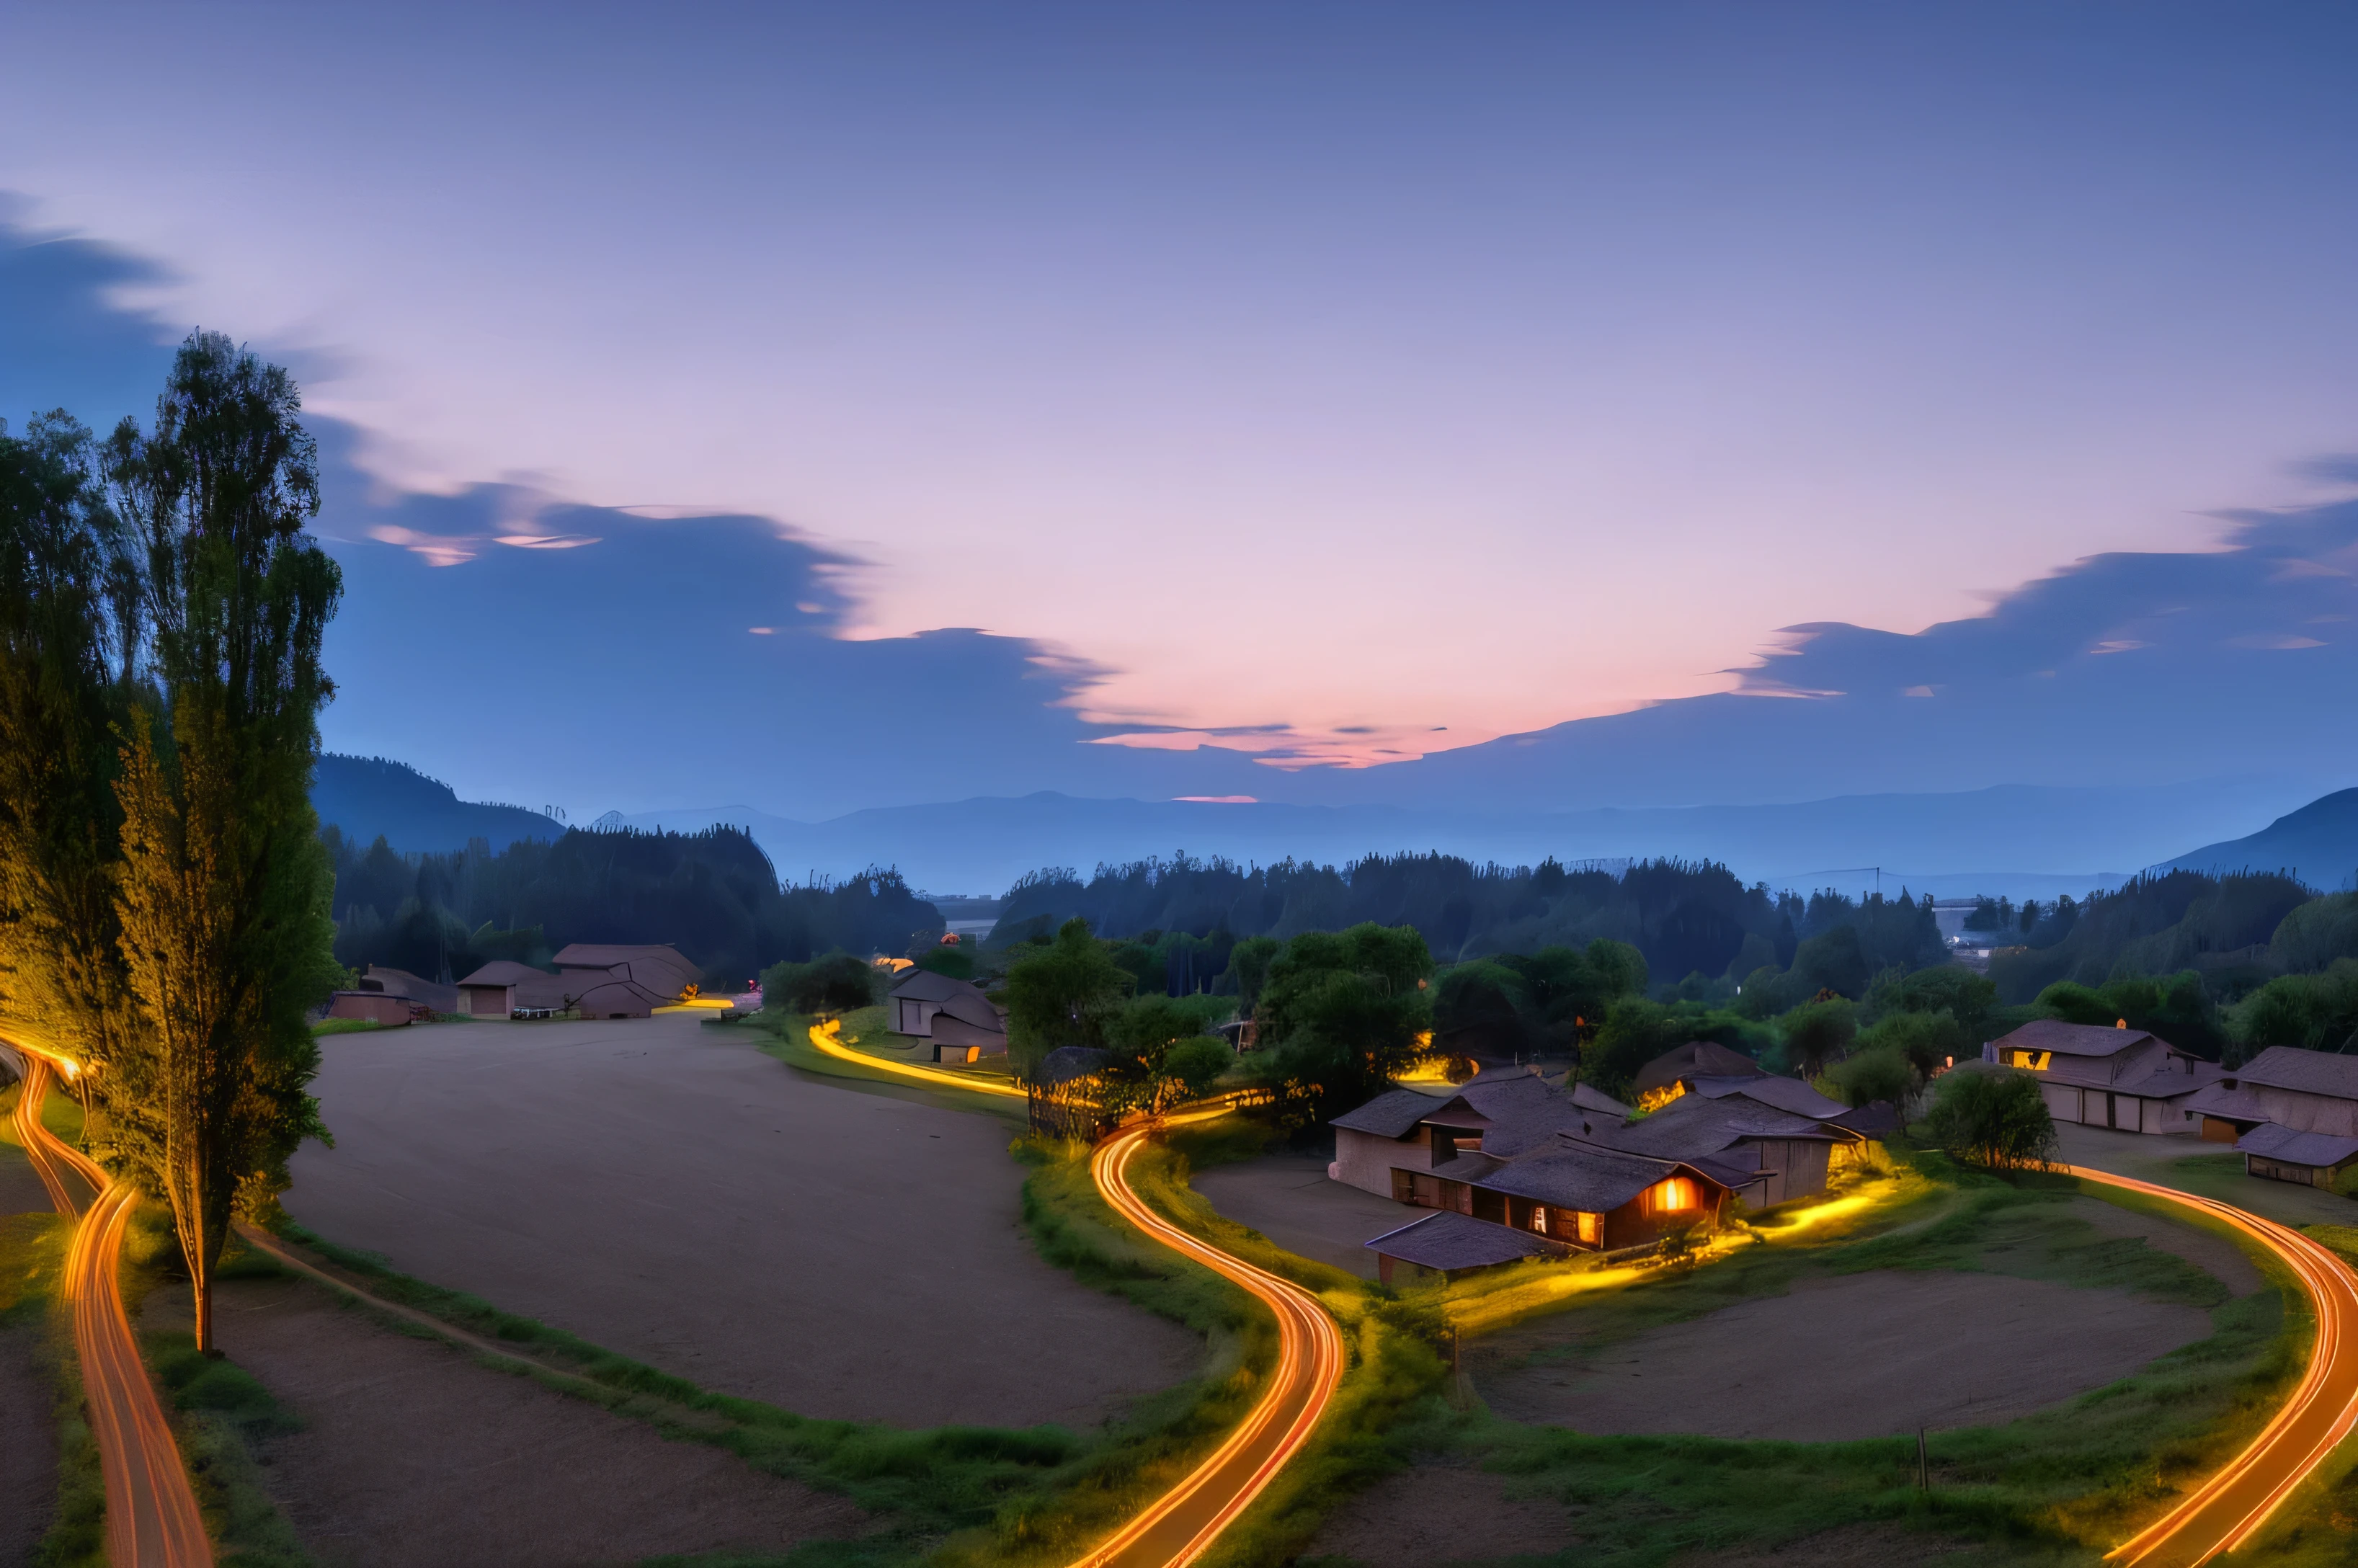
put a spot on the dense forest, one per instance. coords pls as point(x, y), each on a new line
point(713, 894)
point(1688, 920)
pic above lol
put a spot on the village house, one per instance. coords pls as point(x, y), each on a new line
point(1386, 1144)
point(592, 980)
point(1660, 1080)
point(2293, 1114)
point(2130, 1079)
point(433, 995)
point(920, 994)
point(504, 988)
point(1767, 1156)
point(1556, 1201)
point(967, 1028)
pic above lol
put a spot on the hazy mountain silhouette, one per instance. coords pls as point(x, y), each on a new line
point(369, 797)
point(2319, 844)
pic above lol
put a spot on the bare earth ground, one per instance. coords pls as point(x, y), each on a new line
point(28, 1436)
point(2206, 1251)
point(1779, 1367)
point(664, 1190)
point(414, 1454)
point(1288, 1198)
point(29, 1447)
point(1442, 1513)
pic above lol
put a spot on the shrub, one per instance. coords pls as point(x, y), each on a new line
point(1998, 1119)
point(836, 983)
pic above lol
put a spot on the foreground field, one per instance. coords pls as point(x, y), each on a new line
point(667, 1191)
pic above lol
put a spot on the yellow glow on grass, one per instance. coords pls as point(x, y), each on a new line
point(828, 1039)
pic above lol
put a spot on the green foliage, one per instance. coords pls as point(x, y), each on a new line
point(1967, 998)
point(1196, 1065)
point(1815, 1034)
point(1247, 970)
point(1997, 1120)
point(1341, 1013)
point(1062, 995)
point(1156, 1055)
point(953, 961)
point(837, 983)
point(1635, 1032)
point(2316, 1013)
point(713, 893)
point(2177, 1008)
point(1927, 1042)
point(1883, 1073)
point(2160, 926)
point(2313, 936)
point(1833, 961)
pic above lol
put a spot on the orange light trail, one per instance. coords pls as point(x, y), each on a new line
point(151, 1513)
point(823, 1038)
point(1176, 1528)
point(2226, 1512)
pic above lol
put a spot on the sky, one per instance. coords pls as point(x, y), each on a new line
point(1323, 383)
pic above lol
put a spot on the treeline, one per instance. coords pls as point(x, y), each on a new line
point(1688, 920)
point(714, 895)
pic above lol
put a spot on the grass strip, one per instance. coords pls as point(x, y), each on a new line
point(32, 1274)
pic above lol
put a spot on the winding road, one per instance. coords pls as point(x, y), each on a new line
point(151, 1512)
point(2227, 1512)
point(1174, 1530)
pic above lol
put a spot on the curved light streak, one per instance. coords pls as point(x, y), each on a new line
point(1176, 1528)
point(823, 1038)
point(2227, 1512)
point(151, 1512)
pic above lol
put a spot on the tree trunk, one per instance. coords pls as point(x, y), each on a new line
point(200, 1286)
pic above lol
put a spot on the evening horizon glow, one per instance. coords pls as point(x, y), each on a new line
point(1341, 386)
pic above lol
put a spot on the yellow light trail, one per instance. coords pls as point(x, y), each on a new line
point(1177, 1527)
point(823, 1038)
point(2227, 1512)
point(151, 1513)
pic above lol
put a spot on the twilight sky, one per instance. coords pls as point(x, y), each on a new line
point(1311, 377)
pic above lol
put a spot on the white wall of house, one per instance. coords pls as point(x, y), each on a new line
point(1367, 1159)
point(2308, 1112)
point(914, 1017)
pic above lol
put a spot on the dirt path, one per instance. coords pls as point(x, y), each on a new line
point(415, 1455)
point(1849, 1358)
point(2212, 1170)
point(1288, 1198)
point(667, 1191)
point(29, 1445)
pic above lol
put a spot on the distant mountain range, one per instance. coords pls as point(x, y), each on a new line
point(369, 797)
point(2018, 840)
point(2319, 844)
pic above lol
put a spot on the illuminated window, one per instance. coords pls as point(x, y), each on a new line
point(2037, 1061)
point(1592, 1227)
point(1539, 1218)
point(1674, 1194)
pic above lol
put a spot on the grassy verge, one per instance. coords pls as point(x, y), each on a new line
point(785, 1036)
point(2063, 1483)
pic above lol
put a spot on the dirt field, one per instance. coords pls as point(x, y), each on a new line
point(2206, 1251)
point(1288, 1198)
point(28, 1447)
point(664, 1190)
point(414, 1455)
point(1849, 1358)
point(1442, 1513)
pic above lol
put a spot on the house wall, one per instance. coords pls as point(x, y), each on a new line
point(375, 1006)
point(1635, 1223)
point(2308, 1112)
point(911, 1016)
point(1797, 1167)
point(1365, 1159)
point(485, 1002)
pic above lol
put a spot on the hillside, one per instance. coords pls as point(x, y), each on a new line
point(2319, 844)
point(366, 797)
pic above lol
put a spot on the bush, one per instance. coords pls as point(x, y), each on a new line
point(955, 962)
point(1998, 1119)
point(1928, 1039)
point(1196, 1065)
point(1866, 1077)
point(836, 983)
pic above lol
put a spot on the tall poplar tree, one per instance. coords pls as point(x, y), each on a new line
point(224, 888)
point(68, 605)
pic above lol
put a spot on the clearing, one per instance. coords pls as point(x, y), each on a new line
point(1850, 1358)
point(1288, 1198)
point(412, 1452)
point(666, 1190)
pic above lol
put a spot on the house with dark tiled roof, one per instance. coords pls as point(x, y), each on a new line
point(1556, 1200)
point(2129, 1079)
point(1766, 1155)
point(2290, 1113)
point(1397, 1139)
point(1659, 1080)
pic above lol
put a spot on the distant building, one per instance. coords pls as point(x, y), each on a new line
point(967, 1028)
point(2129, 1079)
point(2311, 1159)
point(2285, 1086)
point(375, 1007)
point(436, 996)
point(919, 994)
point(504, 987)
point(1659, 1080)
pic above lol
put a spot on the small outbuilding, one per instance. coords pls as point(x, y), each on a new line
point(920, 994)
point(375, 1007)
point(966, 1029)
point(2311, 1159)
point(504, 987)
point(1447, 1246)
